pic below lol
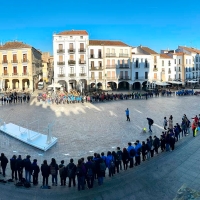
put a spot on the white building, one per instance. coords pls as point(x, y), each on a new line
point(70, 49)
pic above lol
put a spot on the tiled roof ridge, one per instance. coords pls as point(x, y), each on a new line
point(107, 42)
point(73, 32)
point(14, 45)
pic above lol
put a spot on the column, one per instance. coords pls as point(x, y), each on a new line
point(140, 86)
point(10, 84)
point(16, 84)
point(31, 85)
point(130, 86)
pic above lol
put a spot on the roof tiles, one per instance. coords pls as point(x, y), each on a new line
point(107, 43)
point(73, 32)
point(14, 45)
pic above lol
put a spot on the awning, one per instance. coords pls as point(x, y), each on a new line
point(161, 83)
point(175, 82)
point(56, 85)
point(192, 81)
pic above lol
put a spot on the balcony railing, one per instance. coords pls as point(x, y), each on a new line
point(110, 66)
point(61, 75)
point(91, 55)
point(72, 75)
point(155, 69)
point(4, 61)
point(96, 68)
point(5, 74)
point(111, 55)
point(141, 78)
point(25, 74)
point(124, 78)
point(82, 74)
point(111, 78)
point(123, 55)
point(61, 63)
point(124, 66)
point(25, 60)
point(15, 74)
point(82, 50)
point(14, 61)
point(61, 51)
point(82, 62)
point(71, 50)
point(71, 62)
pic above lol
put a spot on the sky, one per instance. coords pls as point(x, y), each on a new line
point(153, 23)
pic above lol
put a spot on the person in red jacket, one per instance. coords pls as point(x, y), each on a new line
point(194, 126)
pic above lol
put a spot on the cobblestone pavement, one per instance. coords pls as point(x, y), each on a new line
point(82, 129)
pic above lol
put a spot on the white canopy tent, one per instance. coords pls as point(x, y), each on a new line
point(175, 82)
point(56, 85)
point(192, 81)
point(161, 83)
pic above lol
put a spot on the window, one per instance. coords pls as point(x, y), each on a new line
point(61, 70)
point(60, 46)
point(146, 64)
point(71, 46)
point(179, 76)
point(137, 64)
point(81, 37)
point(113, 50)
point(92, 64)
point(146, 75)
point(5, 59)
point(99, 53)
point(100, 64)
point(179, 61)
point(100, 75)
point(136, 75)
point(113, 62)
point(92, 74)
point(108, 62)
point(155, 59)
point(5, 71)
point(108, 50)
point(82, 61)
point(71, 70)
point(108, 74)
point(162, 62)
point(175, 61)
point(81, 46)
point(25, 70)
point(121, 51)
point(60, 58)
point(82, 70)
point(169, 63)
point(14, 70)
point(189, 61)
point(113, 74)
point(25, 57)
point(126, 51)
point(91, 53)
point(14, 58)
point(174, 68)
point(71, 37)
point(186, 61)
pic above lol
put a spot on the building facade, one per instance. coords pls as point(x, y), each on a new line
point(20, 66)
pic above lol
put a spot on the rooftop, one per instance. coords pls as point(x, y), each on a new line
point(73, 32)
point(165, 56)
point(14, 45)
point(191, 49)
point(148, 50)
point(107, 43)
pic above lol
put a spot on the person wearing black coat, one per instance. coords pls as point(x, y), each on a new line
point(90, 171)
point(156, 144)
point(19, 167)
point(143, 151)
point(4, 162)
point(162, 143)
point(35, 171)
point(71, 170)
point(13, 167)
point(172, 142)
point(27, 166)
point(100, 172)
point(125, 158)
point(45, 173)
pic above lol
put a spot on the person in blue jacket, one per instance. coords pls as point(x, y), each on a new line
point(127, 115)
point(131, 149)
point(110, 163)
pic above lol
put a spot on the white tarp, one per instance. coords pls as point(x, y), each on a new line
point(175, 82)
point(162, 83)
point(192, 81)
point(56, 85)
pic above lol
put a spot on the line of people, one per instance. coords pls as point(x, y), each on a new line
point(85, 173)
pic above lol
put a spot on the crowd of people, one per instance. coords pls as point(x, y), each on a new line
point(96, 167)
point(14, 98)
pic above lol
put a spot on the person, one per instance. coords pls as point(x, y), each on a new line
point(148, 148)
point(125, 158)
point(61, 168)
point(110, 164)
point(45, 173)
point(127, 115)
point(71, 170)
point(13, 167)
point(150, 122)
point(137, 153)
point(90, 172)
point(165, 123)
point(194, 126)
point(4, 162)
point(54, 171)
point(143, 151)
point(119, 155)
point(101, 168)
point(170, 122)
point(35, 171)
point(27, 166)
point(156, 144)
point(131, 152)
point(80, 172)
point(19, 167)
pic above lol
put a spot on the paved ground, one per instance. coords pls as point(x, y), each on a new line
point(86, 128)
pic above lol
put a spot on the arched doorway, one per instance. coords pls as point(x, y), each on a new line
point(15, 84)
point(144, 85)
point(99, 85)
point(136, 86)
point(25, 84)
point(112, 85)
point(6, 84)
point(64, 84)
point(72, 85)
point(123, 85)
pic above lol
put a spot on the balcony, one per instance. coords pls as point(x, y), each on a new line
point(110, 67)
point(61, 51)
point(124, 78)
point(25, 60)
point(93, 68)
point(72, 75)
point(14, 74)
point(25, 74)
point(155, 69)
point(71, 62)
point(124, 66)
point(82, 62)
point(71, 50)
point(82, 74)
point(5, 61)
point(111, 55)
point(5, 74)
point(82, 50)
point(98, 78)
point(61, 63)
point(61, 75)
point(14, 61)
point(123, 55)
